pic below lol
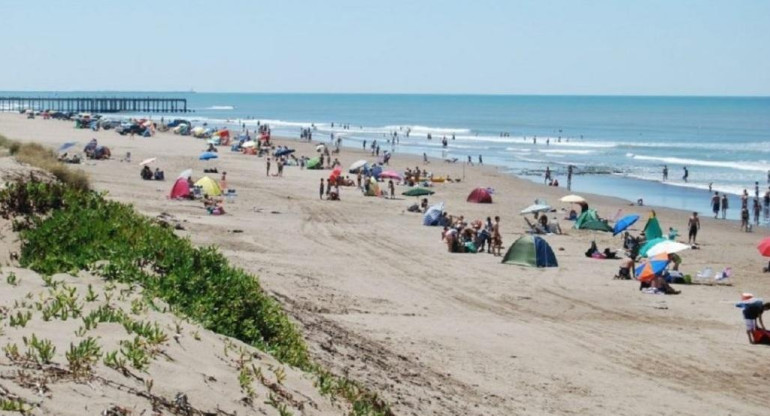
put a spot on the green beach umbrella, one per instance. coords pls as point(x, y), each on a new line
point(314, 163)
point(418, 192)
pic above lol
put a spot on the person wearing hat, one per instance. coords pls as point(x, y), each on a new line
point(753, 308)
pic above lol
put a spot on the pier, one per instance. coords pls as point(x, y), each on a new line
point(95, 104)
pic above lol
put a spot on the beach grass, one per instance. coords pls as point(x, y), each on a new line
point(68, 229)
point(43, 158)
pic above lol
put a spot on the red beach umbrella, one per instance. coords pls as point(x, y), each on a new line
point(764, 247)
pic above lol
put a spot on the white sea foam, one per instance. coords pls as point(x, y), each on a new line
point(416, 129)
point(748, 166)
point(567, 151)
point(219, 107)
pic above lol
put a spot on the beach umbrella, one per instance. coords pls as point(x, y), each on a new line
point(764, 247)
point(666, 246)
point(208, 155)
point(650, 244)
point(66, 146)
point(249, 144)
point(389, 174)
point(357, 165)
point(536, 208)
point(573, 199)
point(376, 171)
point(431, 216)
point(624, 223)
point(652, 267)
point(283, 152)
point(213, 141)
point(418, 192)
point(320, 148)
point(314, 163)
point(147, 161)
point(185, 174)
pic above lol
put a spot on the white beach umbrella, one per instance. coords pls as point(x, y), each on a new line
point(668, 246)
point(249, 144)
point(320, 147)
point(186, 173)
point(147, 161)
point(573, 199)
point(358, 165)
point(536, 208)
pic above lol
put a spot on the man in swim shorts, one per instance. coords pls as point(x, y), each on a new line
point(693, 224)
point(715, 204)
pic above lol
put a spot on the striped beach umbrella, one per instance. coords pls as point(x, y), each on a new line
point(652, 267)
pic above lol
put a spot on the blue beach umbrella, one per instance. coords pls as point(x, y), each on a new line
point(208, 155)
point(283, 152)
point(432, 214)
point(624, 223)
point(652, 267)
point(66, 146)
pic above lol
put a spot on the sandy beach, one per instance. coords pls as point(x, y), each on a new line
point(379, 298)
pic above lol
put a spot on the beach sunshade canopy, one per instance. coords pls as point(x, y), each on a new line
point(431, 216)
point(573, 199)
point(185, 173)
point(764, 247)
point(536, 208)
point(480, 196)
point(417, 192)
point(147, 161)
point(314, 163)
point(650, 244)
point(589, 220)
point(532, 251)
point(624, 223)
point(208, 156)
point(357, 165)
point(390, 174)
point(320, 147)
point(652, 229)
point(66, 146)
point(283, 152)
point(666, 246)
point(249, 144)
point(652, 267)
point(209, 186)
point(180, 189)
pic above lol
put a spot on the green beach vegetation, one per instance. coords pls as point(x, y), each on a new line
point(43, 158)
point(66, 228)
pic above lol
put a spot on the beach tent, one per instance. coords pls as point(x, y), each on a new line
point(652, 229)
point(356, 166)
point(530, 250)
point(209, 186)
point(480, 196)
point(180, 189)
point(314, 163)
point(431, 216)
point(589, 220)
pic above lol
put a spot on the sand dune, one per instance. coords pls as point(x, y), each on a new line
point(380, 299)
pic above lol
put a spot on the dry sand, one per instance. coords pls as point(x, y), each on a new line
point(379, 297)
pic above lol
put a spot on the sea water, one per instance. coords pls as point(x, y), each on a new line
point(618, 145)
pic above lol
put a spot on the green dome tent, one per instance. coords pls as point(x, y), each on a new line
point(531, 250)
point(589, 220)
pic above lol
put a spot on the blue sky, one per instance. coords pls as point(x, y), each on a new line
point(650, 47)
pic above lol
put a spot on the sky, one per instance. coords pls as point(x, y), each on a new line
point(600, 47)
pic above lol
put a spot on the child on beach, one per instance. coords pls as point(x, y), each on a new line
point(724, 205)
point(392, 189)
point(497, 238)
point(321, 191)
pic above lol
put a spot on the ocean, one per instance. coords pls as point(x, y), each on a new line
point(618, 145)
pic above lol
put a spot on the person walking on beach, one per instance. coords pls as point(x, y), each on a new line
point(686, 173)
point(724, 205)
point(547, 174)
point(569, 177)
point(481, 161)
point(268, 167)
point(715, 202)
point(321, 191)
point(392, 189)
point(693, 224)
point(745, 219)
point(757, 210)
point(425, 158)
point(745, 199)
point(279, 164)
point(665, 173)
point(756, 189)
point(767, 204)
point(364, 144)
point(470, 161)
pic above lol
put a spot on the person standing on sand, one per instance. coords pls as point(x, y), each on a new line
point(745, 219)
point(745, 199)
point(569, 177)
point(481, 161)
point(665, 173)
point(223, 181)
point(470, 161)
point(686, 173)
point(279, 164)
point(392, 189)
point(693, 224)
point(268, 167)
point(756, 189)
point(547, 174)
point(757, 210)
point(497, 238)
point(724, 205)
point(715, 202)
point(321, 191)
